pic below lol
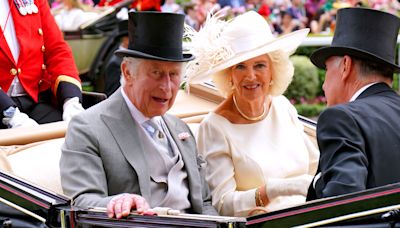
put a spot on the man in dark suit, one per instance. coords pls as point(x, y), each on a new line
point(126, 152)
point(359, 133)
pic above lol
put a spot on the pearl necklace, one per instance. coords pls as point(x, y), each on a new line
point(256, 118)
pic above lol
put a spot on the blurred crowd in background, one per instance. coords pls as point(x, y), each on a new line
point(284, 16)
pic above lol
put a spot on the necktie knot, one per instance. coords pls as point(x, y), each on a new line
point(153, 128)
point(150, 127)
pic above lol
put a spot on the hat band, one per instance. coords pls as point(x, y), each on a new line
point(162, 52)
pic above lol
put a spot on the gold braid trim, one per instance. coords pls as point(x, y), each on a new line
point(65, 78)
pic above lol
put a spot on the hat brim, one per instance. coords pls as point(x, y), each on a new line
point(137, 54)
point(287, 43)
point(319, 57)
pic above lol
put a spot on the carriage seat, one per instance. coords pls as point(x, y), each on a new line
point(37, 163)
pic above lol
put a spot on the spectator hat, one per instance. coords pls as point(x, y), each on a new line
point(155, 35)
point(221, 44)
point(363, 33)
point(341, 4)
point(122, 28)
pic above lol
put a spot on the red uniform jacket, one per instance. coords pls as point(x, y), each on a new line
point(146, 5)
point(44, 55)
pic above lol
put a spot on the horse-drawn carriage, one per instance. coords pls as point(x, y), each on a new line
point(30, 184)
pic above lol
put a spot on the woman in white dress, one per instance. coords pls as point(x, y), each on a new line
point(72, 14)
point(257, 153)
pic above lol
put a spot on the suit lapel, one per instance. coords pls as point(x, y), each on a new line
point(125, 131)
point(186, 150)
point(23, 29)
point(5, 49)
point(3, 42)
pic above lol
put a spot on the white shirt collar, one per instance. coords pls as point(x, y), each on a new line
point(136, 114)
point(356, 94)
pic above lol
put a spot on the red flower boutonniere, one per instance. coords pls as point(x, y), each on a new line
point(183, 135)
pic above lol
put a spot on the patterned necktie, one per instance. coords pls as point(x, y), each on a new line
point(156, 133)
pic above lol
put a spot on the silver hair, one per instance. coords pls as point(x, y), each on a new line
point(133, 66)
point(282, 74)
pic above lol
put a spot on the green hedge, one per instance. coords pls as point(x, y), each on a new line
point(306, 51)
point(309, 110)
point(396, 82)
point(305, 84)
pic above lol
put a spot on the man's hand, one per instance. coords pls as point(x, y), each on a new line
point(19, 119)
point(71, 107)
point(121, 205)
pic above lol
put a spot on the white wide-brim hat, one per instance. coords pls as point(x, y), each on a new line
point(219, 44)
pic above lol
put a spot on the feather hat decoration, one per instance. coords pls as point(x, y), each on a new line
point(221, 44)
point(209, 47)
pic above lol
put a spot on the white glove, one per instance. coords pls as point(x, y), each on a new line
point(276, 187)
point(71, 107)
point(165, 211)
point(19, 119)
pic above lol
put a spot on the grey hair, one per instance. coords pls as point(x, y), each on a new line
point(133, 64)
point(367, 68)
point(282, 74)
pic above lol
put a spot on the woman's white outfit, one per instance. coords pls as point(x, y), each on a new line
point(243, 157)
point(71, 20)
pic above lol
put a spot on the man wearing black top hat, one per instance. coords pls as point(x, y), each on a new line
point(359, 133)
point(126, 152)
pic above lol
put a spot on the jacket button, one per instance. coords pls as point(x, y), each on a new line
point(43, 67)
point(13, 71)
point(19, 70)
point(40, 31)
point(43, 48)
point(40, 81)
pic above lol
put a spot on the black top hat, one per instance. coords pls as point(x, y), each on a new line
point(156, 35)
point(364, 33)
point(123, 27)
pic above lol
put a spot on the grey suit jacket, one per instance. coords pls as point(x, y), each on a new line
point(103, 156)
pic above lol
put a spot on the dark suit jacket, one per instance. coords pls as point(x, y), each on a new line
point(103, 156)
point(359, 144)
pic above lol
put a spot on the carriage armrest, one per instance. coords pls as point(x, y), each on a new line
point(25, 135)
point(91, 98)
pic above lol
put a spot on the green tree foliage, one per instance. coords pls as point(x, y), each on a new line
point(182, 2)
